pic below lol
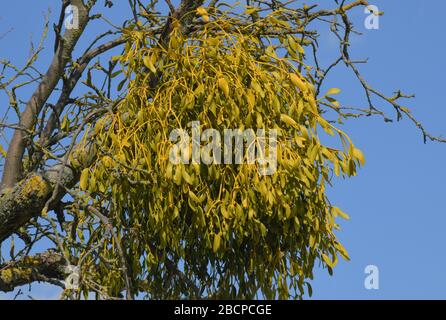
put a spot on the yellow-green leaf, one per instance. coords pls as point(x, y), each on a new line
point(148, 63)
point(338, 212)
point(223, 85)
point(327, 260)
point(203, 13)
point(217, 240)
point(84, 179)
point(298, 82)
point(333, 91)
point(289, 121)
point(359, 155)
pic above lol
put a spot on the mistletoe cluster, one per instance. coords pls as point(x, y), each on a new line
point(230, 231)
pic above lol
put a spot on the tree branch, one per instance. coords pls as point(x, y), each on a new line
point(70, 84)
point(47, 267)
point(12, 171)
point(28, 198)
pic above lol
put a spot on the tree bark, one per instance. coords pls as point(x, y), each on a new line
point(28, 198)
point(12, 171)
point(48, 267)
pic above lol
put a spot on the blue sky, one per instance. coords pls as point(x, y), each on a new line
point(397, 202)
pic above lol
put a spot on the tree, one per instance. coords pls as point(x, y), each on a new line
point(92, 173)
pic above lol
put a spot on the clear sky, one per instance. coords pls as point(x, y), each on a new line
point(397, 202)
